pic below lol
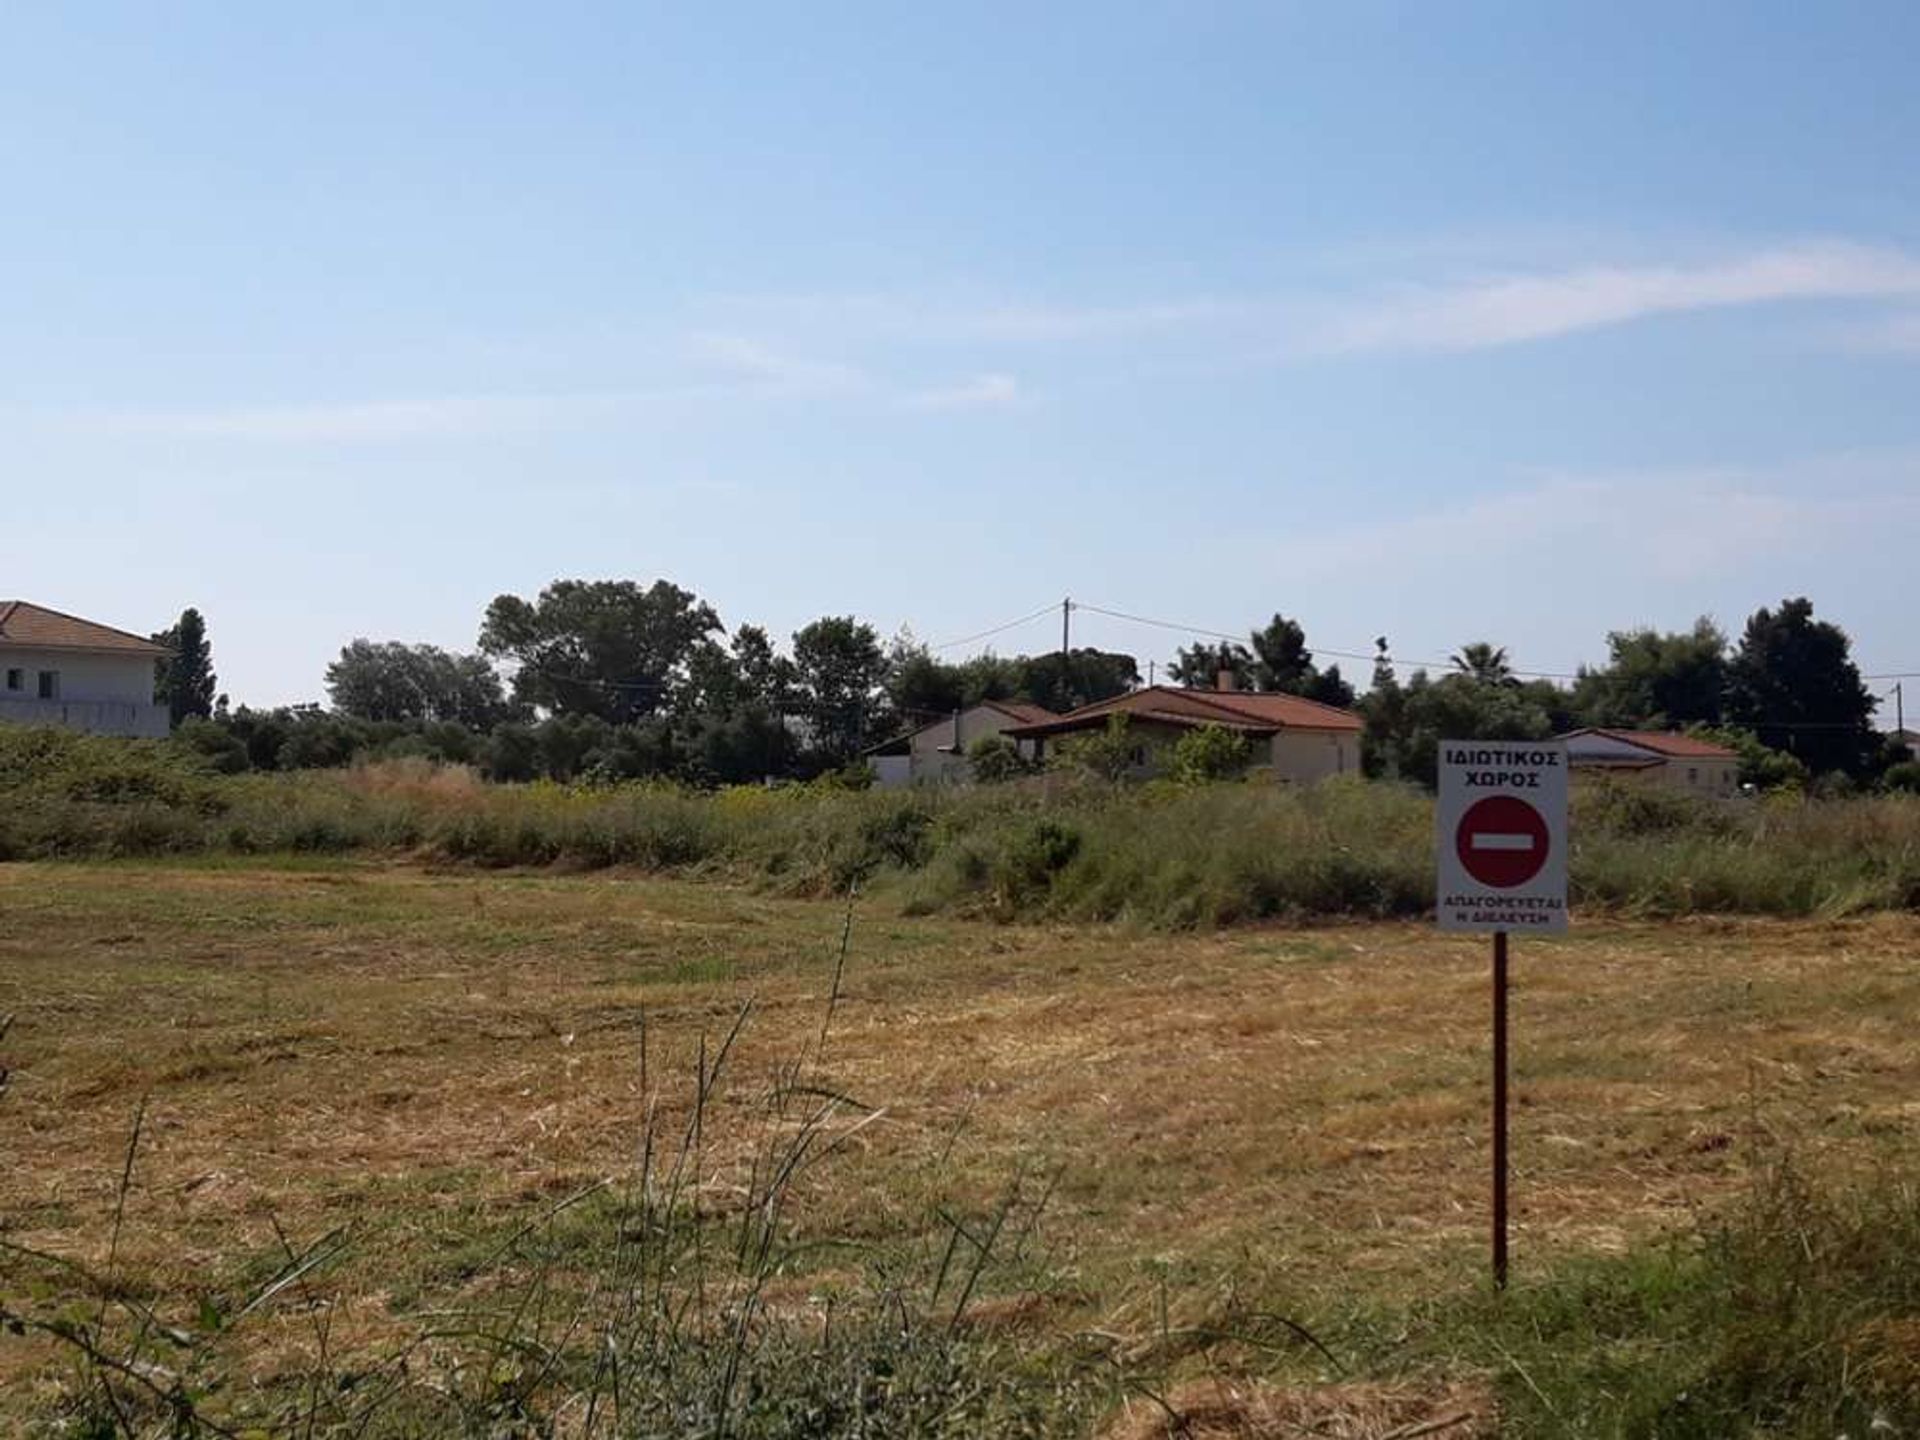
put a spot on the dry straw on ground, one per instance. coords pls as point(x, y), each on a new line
point(424, 1057)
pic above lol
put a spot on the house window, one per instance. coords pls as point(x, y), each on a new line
point(1693, 776)
point(16, 679)
point(49, 684)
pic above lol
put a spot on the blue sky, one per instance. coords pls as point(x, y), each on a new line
point(1442, 322)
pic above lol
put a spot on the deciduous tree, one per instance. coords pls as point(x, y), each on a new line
point(390, 680)
point(1061, 683)
point(1405, 725)
point(1657, 680)
point(841, 673)
point(607, 648)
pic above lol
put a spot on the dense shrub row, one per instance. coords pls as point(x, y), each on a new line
point(1160, 854)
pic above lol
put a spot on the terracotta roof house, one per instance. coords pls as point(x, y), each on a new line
point(1293, 738)
point(936, 753)
point(57, 669)
point(1663, 757)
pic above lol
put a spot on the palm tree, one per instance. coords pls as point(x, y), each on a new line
point(1485, 663)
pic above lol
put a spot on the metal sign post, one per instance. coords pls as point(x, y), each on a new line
point(1501, 841)
point(1500, 1109)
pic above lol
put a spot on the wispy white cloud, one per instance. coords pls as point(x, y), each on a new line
point(1043, 324)
point(1512, 309)
point(773, 346)
point(724, 368)
point(745, 358)
point(982, 392)
point(1662, 525)
point(356, 422)
point(896, 319)
point(703, 367)
point(1357, 309)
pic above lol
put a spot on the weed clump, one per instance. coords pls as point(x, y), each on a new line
point(633, 1306)
point(1793, 1314)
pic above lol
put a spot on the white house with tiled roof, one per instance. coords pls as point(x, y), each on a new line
point(1684, 762)
point(61, 670)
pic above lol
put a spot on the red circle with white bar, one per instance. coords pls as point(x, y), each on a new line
point(1502, 841)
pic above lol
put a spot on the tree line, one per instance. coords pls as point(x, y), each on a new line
point(617, 680)
point(1786, 696)
point(612, 679)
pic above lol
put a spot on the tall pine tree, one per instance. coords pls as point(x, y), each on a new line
point(184, 682)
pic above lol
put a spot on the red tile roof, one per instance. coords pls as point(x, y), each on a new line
point(37, 628)
point(1020, 710)
point(1664, 742)
point(1291, 712)
point(1231, 709)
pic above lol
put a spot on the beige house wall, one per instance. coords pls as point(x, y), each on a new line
point(937, 757)
point(1301, 757)
point(1306, 756)
point(1698, 776)
point(1707, 777)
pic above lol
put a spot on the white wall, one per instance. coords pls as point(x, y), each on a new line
point(100, 694)
point(124, 679)
point(93, 717)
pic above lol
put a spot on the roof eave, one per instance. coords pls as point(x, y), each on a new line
point(156, 652)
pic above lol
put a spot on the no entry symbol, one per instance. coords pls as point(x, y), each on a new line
point(1502, 841)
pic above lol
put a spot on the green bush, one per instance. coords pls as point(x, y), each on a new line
point(1904, 777)
point(1069, 846)
point(994, 760)
point(1208, 753)
point(1105, 755)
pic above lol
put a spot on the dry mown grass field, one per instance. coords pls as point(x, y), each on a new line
point(1299, 1115)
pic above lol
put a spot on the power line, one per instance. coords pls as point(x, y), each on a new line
point(1159, 624)
point(1046, 609)
point(1240, 636)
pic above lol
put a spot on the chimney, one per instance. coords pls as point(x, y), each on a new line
point(1225, 679)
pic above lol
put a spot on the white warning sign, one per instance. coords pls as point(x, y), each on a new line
point(1501, 836)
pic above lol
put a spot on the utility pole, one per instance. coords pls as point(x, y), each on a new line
point(1066, 698)
point(1899, 711)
